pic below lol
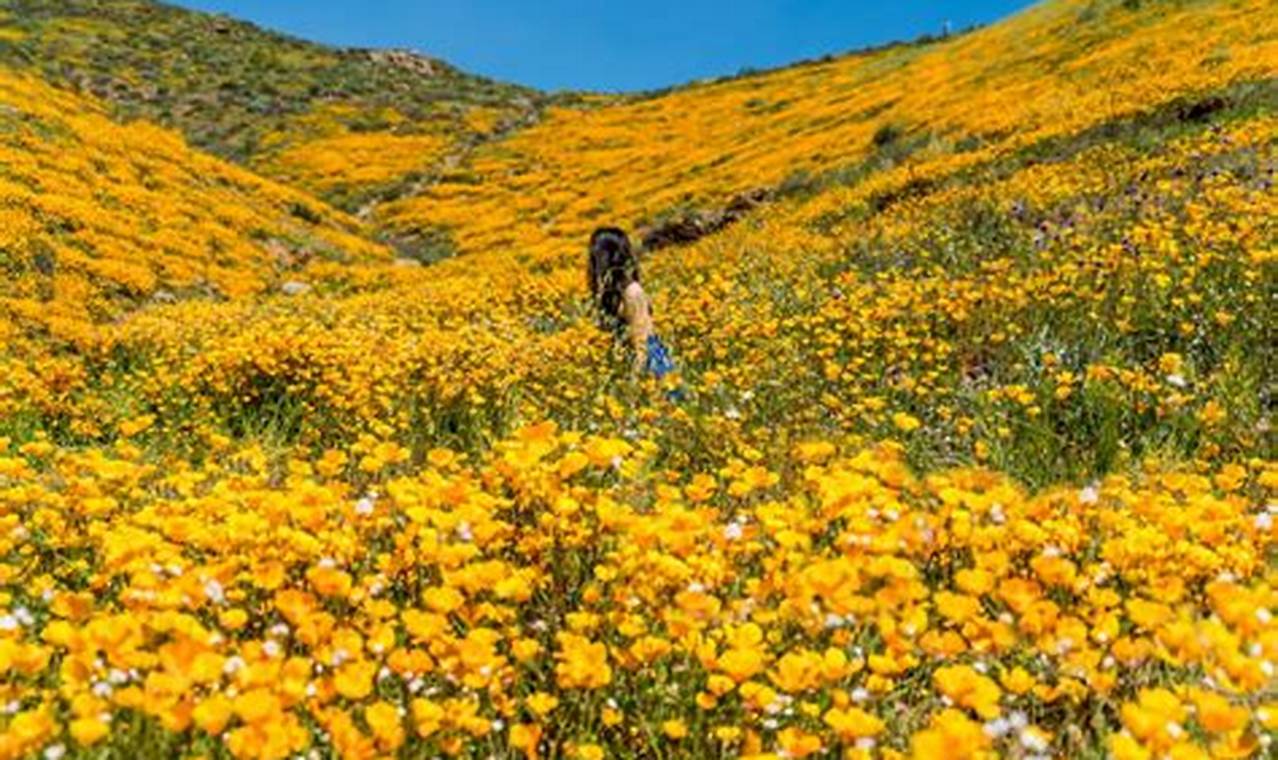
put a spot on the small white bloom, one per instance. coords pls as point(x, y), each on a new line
point(271, 649)
point(732, 531)
point(233, 665)
point(214, 592)
point(1033, 741)
point(1177, 380)
point(364, 506)
point(55, 752)
point(1088, 495)
point(8, 623)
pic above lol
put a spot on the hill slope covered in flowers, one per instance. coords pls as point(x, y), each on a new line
point(974, 456)
point(292, 109)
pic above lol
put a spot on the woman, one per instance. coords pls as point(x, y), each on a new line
point(624, 309)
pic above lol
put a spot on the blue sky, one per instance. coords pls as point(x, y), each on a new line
point(571, 44)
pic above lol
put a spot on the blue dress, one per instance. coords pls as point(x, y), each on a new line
point(659, 362)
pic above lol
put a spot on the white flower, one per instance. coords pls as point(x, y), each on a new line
point(1264, 521)
point(1088, 495)
point(271, 649)
point(364, 506)
point(1177, 380)
point(860, 694)
point(233, 665)
point(8, 623)
point(55, 752)
point(214, 592)
point(463, 532)
point(996, 728)
point(1033, 741)
point(732, 531)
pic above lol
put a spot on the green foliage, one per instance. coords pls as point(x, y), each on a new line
point(229, 86)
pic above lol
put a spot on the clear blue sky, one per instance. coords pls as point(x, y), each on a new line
point(611, 44)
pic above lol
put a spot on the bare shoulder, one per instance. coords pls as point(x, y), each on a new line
point(634, 294)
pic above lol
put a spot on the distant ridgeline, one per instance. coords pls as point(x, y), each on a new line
point(277, 103)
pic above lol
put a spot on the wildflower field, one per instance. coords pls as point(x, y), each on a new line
point(310, 446)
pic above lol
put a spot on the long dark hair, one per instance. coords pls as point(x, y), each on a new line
point(611, 267)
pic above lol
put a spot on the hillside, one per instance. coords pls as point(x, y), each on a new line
point(100, 217)
point(974, 454)
point(1055, 69)
point(282, 105)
